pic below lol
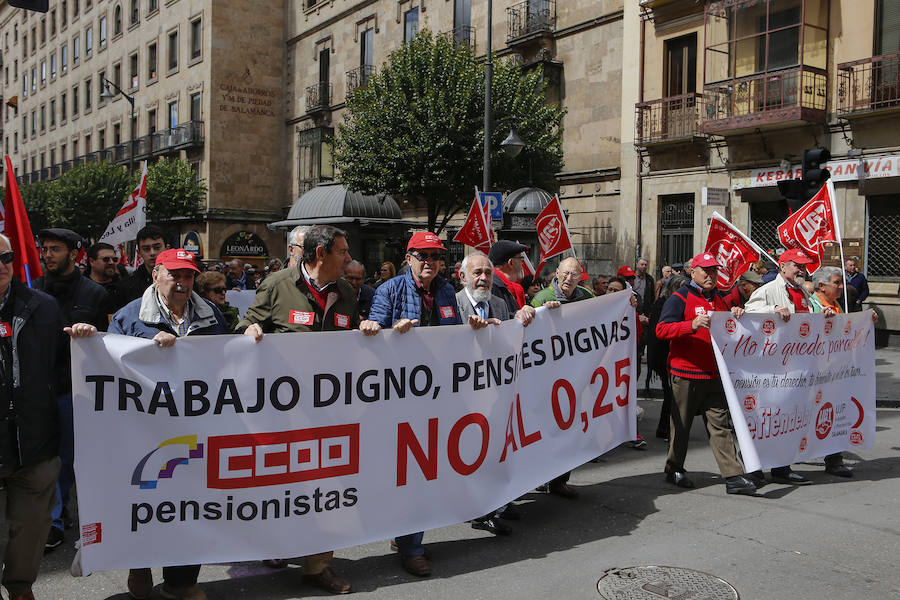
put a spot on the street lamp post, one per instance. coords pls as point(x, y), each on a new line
point(488, 75)
point(106, 94)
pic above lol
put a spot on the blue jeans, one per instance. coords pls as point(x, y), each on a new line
point(411, 545)
point(67, 456)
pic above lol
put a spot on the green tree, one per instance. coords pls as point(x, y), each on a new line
point(173, 190)
point(416, 131)
point(87, 197)
point(40, 204)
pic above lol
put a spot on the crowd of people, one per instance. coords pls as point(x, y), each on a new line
point(321, 288)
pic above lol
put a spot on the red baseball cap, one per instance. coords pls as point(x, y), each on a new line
point(422, 240)
point(176, 258)
point(626, 271)
point(798, 256)
point(703, 260)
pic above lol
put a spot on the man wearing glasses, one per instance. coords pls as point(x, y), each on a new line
point(30, 340)
point(563, 289)
point(81, 301)
point(508, 261)
point(150, 242)
point(417, 298)
point(102, 270)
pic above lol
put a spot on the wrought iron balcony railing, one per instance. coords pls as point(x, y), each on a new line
point(672, 119)
point(318, 96)
point(870, 85)
point(789, 95)
point(358, 77)
point(530, 17)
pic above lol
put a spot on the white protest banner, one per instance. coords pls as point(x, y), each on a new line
point(220, 449)
point(797, 390)
point(131, 218)
point(240, 299)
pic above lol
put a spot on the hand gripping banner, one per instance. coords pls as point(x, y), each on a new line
point(220, 449)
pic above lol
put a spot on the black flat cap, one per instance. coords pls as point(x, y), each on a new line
point(504, 250)
point(67, 236)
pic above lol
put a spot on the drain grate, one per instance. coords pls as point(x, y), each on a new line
point(653, 583)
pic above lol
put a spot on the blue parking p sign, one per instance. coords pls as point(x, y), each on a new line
point(496, 203)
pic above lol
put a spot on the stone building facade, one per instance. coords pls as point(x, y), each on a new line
point(726, 96)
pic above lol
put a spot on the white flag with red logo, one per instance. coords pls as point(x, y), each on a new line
point(131, 218)
point(734, 251)
point(552, 230)
point(475, 231)
point(812, 225)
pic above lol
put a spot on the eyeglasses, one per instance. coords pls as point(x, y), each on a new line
point(217, 290)
point(7, 257)
point(108, 258)
point(421, 256)
point(569, 274)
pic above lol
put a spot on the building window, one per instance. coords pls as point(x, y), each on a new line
point(195, 107)
point(151, 121)
point(410, 24)
point(173, 50)
point(33, 122)
point(117, 134)
point(135, 12)
point(117, 75)
point(74, 148)
point(43, 118)
point(53, 66)
point(133, 70)
point(151, 62)
point(76, 49)
point(173, 115)
point(88, 41)
point(62, 107)
point(52, 156)
point(366, 51)
point(87, 144)
point(64, 58)
point(87, 95)
point(63, 13)
point(75, 101)
point(681, 66)
point(196, 38)
point(52, 22)
point(24, 45)
point(315, 158)
point(33, 79)
point(883, 243)
point(62, 152)
point(101, 139)
point(117, 20)
point(152, 5)
point(53, 112)
point(101, 80)
point(74, 8)
point(102, 31)
point(43, 73)
point(43, 31)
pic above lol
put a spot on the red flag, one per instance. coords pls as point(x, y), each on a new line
point(811, 226)
point(81, 261)
point(475, 231)
point(123, 255)
point(528, 267)
point(27, 264)
point(731, 248)
point(552, 230)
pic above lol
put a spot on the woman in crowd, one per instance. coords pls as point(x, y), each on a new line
point(658, 352)
point(388, 271)
point(211, 285)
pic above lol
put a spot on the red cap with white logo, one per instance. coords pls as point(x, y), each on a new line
point(703, 260)
point(176, 258)
point(422, 240)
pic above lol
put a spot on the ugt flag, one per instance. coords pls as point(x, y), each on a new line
point(734, 251)
point(131, 217)
point(812, 225)
point(27, 264)
point(475, 231)
point(552, 230)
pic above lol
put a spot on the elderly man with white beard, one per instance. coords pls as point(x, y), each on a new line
point(477, 275)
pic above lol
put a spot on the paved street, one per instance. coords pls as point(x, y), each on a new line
point(836, 539)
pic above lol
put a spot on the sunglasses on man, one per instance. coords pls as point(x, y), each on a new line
point(7, 257)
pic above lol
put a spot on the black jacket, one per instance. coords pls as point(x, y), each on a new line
point(32, 416)
point(133, 286)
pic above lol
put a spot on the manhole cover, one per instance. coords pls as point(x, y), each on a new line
point(652, 583)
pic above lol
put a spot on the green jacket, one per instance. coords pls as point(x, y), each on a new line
point(285, 303)
point(231, 314)
point(551, 293)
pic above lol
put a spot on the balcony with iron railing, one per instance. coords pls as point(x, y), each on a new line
point(318, 97)
point(463, 35)
point(359, 77)
point(184, 136)
point(784, 98)
point(669, 120)
point(532, 18)
point(869, 86)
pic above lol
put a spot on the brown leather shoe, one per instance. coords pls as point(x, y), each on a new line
point(140, 583)
point(565, 490)
point(329, 581)
point(416, 565)
point(191, 592)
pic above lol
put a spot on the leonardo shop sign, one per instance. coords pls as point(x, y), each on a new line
point(841, 170)
point(244, 243)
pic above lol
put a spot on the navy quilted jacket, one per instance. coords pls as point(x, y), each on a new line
point(397, 299)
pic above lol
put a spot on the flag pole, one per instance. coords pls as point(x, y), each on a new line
point(837, 232)
point(756, 246)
